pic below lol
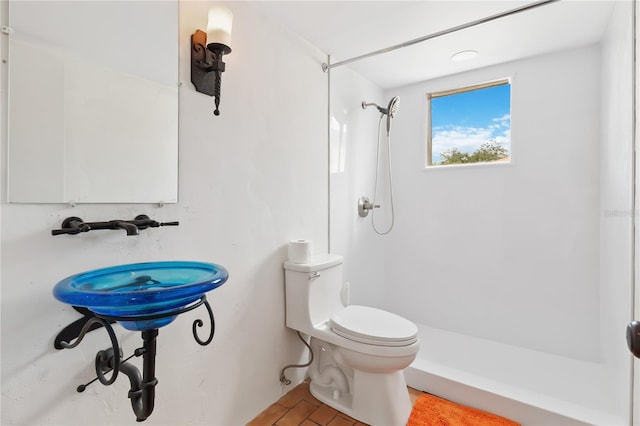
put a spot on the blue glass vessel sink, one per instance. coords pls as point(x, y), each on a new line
point(133, 293)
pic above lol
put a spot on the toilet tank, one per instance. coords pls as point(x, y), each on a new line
point(312, 291)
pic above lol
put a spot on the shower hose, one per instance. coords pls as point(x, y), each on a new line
point(375, 188)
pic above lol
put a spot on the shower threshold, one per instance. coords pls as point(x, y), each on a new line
point(527, 386)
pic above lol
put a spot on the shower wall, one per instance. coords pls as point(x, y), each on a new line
point(504, 252)
point(353, 133)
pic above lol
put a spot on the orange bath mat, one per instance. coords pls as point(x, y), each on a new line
point(430, 410)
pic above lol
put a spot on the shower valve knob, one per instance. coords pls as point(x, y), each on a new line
point(364, 205)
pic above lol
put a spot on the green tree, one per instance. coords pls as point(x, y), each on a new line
point(453, 156)
point(489, 151)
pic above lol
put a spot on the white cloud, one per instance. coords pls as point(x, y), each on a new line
point(505, 120)
point(469, 139)
point(466, 139)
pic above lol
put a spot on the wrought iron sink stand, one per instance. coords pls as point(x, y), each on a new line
point(142, 393)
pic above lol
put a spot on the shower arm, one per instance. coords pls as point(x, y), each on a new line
point(365, 105)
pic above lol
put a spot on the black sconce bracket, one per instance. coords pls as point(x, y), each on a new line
point(142, 393)
point(207, 59)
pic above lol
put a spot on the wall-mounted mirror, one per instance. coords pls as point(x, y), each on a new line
point(93, 102)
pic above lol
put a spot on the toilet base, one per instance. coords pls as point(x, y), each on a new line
point(375, 399)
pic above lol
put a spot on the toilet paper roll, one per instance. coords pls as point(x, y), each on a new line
point(300, 251)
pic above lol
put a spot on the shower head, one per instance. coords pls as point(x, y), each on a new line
point(394, 105)
point(390, 110)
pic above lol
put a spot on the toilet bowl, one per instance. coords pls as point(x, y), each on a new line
point(359, 351)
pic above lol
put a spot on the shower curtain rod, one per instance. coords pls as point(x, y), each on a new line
point(326, 67)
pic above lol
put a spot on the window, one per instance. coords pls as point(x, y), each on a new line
point(470, 125)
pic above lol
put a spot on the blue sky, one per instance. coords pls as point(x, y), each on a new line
point(467, 120)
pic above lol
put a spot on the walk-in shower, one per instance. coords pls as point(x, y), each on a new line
point(364, 206)
point(487, 260)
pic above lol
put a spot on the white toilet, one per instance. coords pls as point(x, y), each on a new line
point(359, 352)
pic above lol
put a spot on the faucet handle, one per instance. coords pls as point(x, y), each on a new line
point(143, 221)
point(176, 223)
point(72, 225)
point(68, 231)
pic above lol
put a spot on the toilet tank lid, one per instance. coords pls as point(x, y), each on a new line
point(316, 263)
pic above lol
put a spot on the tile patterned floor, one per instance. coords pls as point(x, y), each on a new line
point(300, 408)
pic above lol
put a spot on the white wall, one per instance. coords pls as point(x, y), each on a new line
point(250, 180)
point(353, 141)
point(507, 253)
point(616, 160)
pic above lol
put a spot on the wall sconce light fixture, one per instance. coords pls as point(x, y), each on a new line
point(207, 50)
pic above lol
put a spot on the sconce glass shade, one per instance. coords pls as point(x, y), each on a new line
point(219, 26)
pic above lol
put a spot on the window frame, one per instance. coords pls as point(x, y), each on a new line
point(463, 89)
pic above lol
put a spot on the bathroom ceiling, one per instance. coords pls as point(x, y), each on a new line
point(345, 29)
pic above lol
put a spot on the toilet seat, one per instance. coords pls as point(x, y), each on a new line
point(373, 326)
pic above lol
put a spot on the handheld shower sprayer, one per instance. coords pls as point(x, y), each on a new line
point(390, 111)
point(363, 207)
